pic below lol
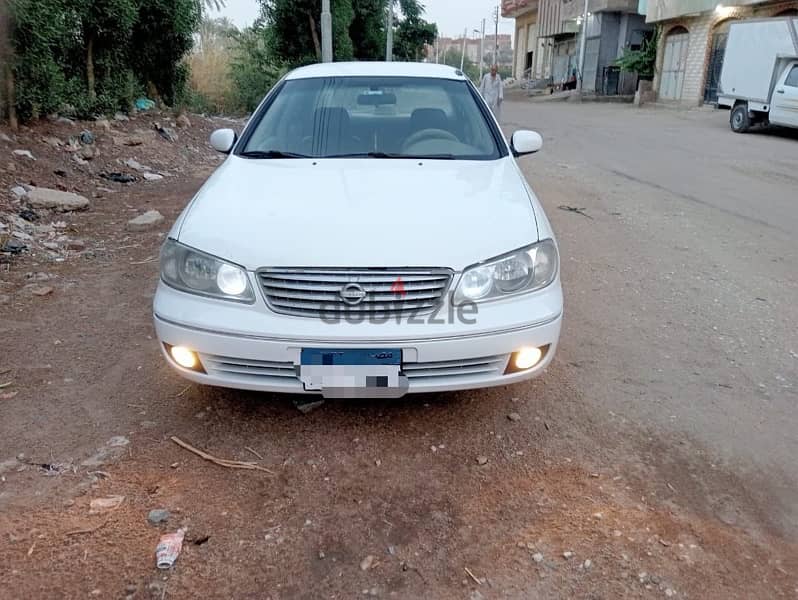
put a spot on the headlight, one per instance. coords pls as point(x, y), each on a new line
point(195, 272)
point(525, 270)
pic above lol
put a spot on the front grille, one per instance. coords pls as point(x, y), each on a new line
point(246, 367)
point(469, 367)
point(385, 292)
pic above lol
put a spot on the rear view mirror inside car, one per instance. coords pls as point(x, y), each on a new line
point(376, 98)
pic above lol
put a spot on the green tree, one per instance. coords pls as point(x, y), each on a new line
point(296, 29)
point(253, 70)
point(162, 36)
point(411, 35)
point(452, 58)
point(367, 30)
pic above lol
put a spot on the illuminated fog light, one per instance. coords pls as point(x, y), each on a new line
point(184, 357)
point(526, 358)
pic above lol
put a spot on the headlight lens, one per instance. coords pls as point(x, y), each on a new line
point(195, 272)
point(525, 270)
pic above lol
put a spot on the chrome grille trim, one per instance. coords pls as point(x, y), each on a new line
point(490, 365)
point(311, 292)
point(242, 366)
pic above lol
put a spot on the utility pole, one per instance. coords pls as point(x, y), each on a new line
point(496, 38)
point(462, 58)
point(389, 31)
point(482, 52)
point(583, 48)
point(326, 32)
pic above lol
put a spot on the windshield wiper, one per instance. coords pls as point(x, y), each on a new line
point(392, 155)
point(271, 154)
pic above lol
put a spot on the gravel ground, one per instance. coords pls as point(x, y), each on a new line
point(654, 459)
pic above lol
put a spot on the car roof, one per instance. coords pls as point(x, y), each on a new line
point(376, 69)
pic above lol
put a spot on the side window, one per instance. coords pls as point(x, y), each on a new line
point(792, 78)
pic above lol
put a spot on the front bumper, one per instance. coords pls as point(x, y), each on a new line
point(249, 347)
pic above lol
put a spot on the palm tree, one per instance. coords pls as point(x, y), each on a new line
point(216, 5)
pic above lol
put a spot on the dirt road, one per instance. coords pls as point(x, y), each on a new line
point(655, 458)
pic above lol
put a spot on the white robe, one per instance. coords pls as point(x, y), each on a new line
point(492, 91)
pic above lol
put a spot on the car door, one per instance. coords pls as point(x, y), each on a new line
point(784, 108)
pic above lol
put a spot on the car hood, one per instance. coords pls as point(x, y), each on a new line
point(360, 213)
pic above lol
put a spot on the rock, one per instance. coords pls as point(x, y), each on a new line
point(322, 556)
point(88, 152)
point(101, 505)
point(56, 200)
point(24, 154)
point(118, 177)
point(118, 441)
point(145, 221)
point(136, 165)
point(598, 516)
point(51, 246)
point(152, 177)
point(103, 124)
point(6, 139)
point(669, 592)
point(121, 117)
point(86, 137)
point(476, 595)
point(76, 245)
point(4, 299)
point(567, 554)
point(64, 121)
point(587, 564)
point(482, 460)
point(80, 160)
point(18, 191)
point(133, 141)
point(183, 122)
point(514, 416)
point(39, 276)
point(61, 172)
point(38, 290)
point(158, 515)
point(537, 557)
point(367, 563)
point(13, 246)
point(166, 133)
point(53, 141)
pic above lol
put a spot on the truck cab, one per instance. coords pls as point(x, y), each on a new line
point(784, 107)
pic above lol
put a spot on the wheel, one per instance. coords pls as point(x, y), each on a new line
point(740, 120)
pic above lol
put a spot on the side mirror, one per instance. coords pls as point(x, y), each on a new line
point(525, 142)
point(223, 140)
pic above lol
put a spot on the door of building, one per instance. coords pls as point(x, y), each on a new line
point(673, 64)
point(716, 54)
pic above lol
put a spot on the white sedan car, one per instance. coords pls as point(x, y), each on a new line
point(369, 235)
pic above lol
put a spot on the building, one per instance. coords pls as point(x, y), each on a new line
point(693, 41)
point(525, 13)
point(550, 31)
point(473, 48)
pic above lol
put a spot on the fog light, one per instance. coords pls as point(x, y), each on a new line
point(526, 358)
point(184, 357)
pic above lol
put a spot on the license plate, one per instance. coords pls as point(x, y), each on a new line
point(375, 373)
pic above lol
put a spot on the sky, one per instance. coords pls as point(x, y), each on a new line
point(452, 16)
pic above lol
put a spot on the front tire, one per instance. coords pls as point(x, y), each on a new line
point(740, 120)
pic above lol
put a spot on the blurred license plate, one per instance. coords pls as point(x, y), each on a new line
point(353, 373)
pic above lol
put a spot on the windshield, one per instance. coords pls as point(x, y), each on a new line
point(377, 117)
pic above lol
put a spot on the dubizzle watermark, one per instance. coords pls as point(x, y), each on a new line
point(382, 313)
point(356, 307)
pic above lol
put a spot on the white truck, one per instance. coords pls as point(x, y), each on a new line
point(759, 81)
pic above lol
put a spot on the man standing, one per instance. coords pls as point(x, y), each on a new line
point(492, 90)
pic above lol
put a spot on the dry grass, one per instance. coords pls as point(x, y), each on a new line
point(210, 77)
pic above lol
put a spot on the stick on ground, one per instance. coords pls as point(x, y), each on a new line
point(229, 464)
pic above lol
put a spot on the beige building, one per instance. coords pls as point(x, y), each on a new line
point(525, 13)
point(693, 42)
point(548, 40)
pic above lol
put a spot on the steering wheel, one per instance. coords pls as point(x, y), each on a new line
point(429, 134)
